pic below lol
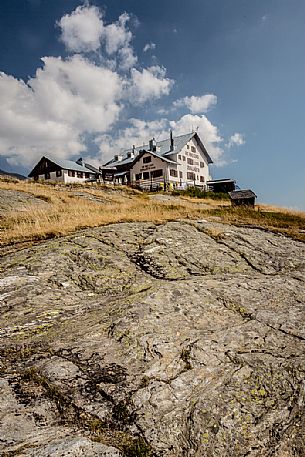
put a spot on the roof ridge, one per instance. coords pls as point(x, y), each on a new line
point(160, 141)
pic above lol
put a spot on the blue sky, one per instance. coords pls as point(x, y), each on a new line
point(116, 73)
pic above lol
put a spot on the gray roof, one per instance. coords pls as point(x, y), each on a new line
point(163, 149)
point(155, 154)
point(237, 194)
point(67, 164)
point(91, 168)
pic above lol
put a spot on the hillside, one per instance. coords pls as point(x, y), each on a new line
point(5, 174)
point(140, 325)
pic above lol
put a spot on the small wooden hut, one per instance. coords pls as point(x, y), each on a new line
point(242, 197)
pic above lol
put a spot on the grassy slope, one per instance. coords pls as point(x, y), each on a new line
point(69, 208)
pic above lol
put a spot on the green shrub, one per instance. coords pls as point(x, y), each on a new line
point(198, 193)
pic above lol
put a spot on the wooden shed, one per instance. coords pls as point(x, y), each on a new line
point(242, 197)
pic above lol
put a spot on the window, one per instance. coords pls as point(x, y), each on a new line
point(87, 175)
point(179, 157)
point(146, 175)
point(201, 178)
point(173, 173)
point(156, 173)
point(79, 174)
point(138, 176)
point(47, 176)
point(184, 159)
point(146, 159)
point(58, 173)
point(193, 149)
point(190, 161)
point(190, 175)
point(188, 146)
point(201, 164)
point(71, 173)
point(180, 174)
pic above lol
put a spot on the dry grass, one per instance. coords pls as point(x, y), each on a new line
point(290, 223)
point(64, 211)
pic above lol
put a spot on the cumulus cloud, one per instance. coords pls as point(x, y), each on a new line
point(236, 140)
point(84, 30)
point(149, 83)
point(208, 132)
point(81, 31)
point(149, 47)
point(138, 132)
point(117, 35)
point(50, 113)
point(197, 104)
point(127, 59)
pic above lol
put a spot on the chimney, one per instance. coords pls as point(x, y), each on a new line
point(153, 145)
point(80, 161)
point(171, 141)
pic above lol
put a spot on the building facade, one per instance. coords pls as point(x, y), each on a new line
point(65, 171)
point(176, 162)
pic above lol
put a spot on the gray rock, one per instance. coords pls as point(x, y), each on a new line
point(75, 447)
point(180, 339)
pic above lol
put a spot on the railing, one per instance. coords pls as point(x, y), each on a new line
point(151, 184)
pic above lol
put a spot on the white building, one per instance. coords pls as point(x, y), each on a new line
point(176, 162)
point(65, 171)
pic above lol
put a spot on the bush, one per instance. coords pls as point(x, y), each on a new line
point(198, 193)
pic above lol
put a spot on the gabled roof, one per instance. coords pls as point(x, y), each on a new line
point(62, 163)
point(239, 194)
point(163, 149)
point(155, 154)
point(67, 164)
point(91, 168)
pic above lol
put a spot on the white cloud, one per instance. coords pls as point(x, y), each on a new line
point(127, 58)
point(208, 133)
point(50, 114)
point(117, 35)
point(138, 133)
point(149, 83)
point(236, 140)
point(81, 31)
point(85, 31)
point(149, 47)
point(197, 104)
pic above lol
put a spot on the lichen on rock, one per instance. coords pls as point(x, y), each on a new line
point(179, 339)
